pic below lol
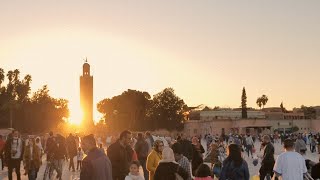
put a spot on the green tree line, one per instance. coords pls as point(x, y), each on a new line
point(32, 113)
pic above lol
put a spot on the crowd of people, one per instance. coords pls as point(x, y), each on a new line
point(162, 158)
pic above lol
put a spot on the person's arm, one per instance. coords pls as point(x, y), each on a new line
point(277, 169)
point(150, 163)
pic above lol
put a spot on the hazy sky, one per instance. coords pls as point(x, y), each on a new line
point(206, 50)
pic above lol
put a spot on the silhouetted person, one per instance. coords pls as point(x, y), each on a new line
point(14, 153)
point(120, 154)
point(96, 165)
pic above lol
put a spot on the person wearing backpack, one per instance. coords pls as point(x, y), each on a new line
point(234, 167)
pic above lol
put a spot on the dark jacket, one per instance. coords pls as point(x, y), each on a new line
point(120, 158)
point(197, 157)
point(187, 149)
point(142, 149)
point(7, 150)
point(96, 166)
point(167, 170)
point(60, 150)
point(231, 172)
point(268, 155)
point(71, 146)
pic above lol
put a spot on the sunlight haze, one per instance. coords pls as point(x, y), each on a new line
point(206, 51)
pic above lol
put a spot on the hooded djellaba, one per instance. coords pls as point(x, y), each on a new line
point(168, 168)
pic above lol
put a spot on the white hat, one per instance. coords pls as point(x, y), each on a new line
point(168, 155)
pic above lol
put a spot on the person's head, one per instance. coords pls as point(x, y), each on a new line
point(203, 171)
point(37, 140)
point(177, 150)
point(140, 136)
point(234, 154)
point(134, 167)
point(15, 134)
point(79, 149)
point(266, 139)
point(88, 143)
point(100, 146)
point(126, 138)
point(158, 146)
point(31, 141)
point(288, 145)
point(50, 133)
point(168, 155)
point(195, 140)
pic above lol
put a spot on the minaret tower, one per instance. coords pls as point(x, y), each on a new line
point(86, 95)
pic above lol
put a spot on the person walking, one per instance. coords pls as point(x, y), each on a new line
point(79, 158)
point(72, 151)
point(2, 144)
point(197, 157)
point(154, 158)
point(14, 149)
point(300, 145)
point(249, 145)
point(96, 165)
point(290, 165)
point(120, 154)
point(268, 161)
point(142, 149)
point(234, 167)
point(31, 159)
point(313, 144)
point(60, 154)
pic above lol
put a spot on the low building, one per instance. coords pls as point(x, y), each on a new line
point(267, 120)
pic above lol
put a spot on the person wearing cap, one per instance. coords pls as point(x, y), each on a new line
point(168, 168)
point(96, 165)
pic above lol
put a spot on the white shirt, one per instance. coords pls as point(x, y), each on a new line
point(80, 156)
point(16, 146)
point(291, 165)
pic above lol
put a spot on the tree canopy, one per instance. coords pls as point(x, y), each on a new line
point(137, 111)
point(33, 114)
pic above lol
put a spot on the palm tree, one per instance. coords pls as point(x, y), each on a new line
point(259, 102)
point(2, 76)
point(264, 100)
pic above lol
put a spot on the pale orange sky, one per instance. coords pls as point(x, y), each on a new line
point(206, 50)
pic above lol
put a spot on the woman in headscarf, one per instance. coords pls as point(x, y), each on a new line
point(168, 168)
point(197, 157)
point(31, 159)
point(154, 157)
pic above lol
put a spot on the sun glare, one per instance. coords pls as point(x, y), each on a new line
point(75, 114)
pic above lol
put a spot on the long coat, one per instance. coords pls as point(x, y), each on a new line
point(152, 163)
point(35, 157)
